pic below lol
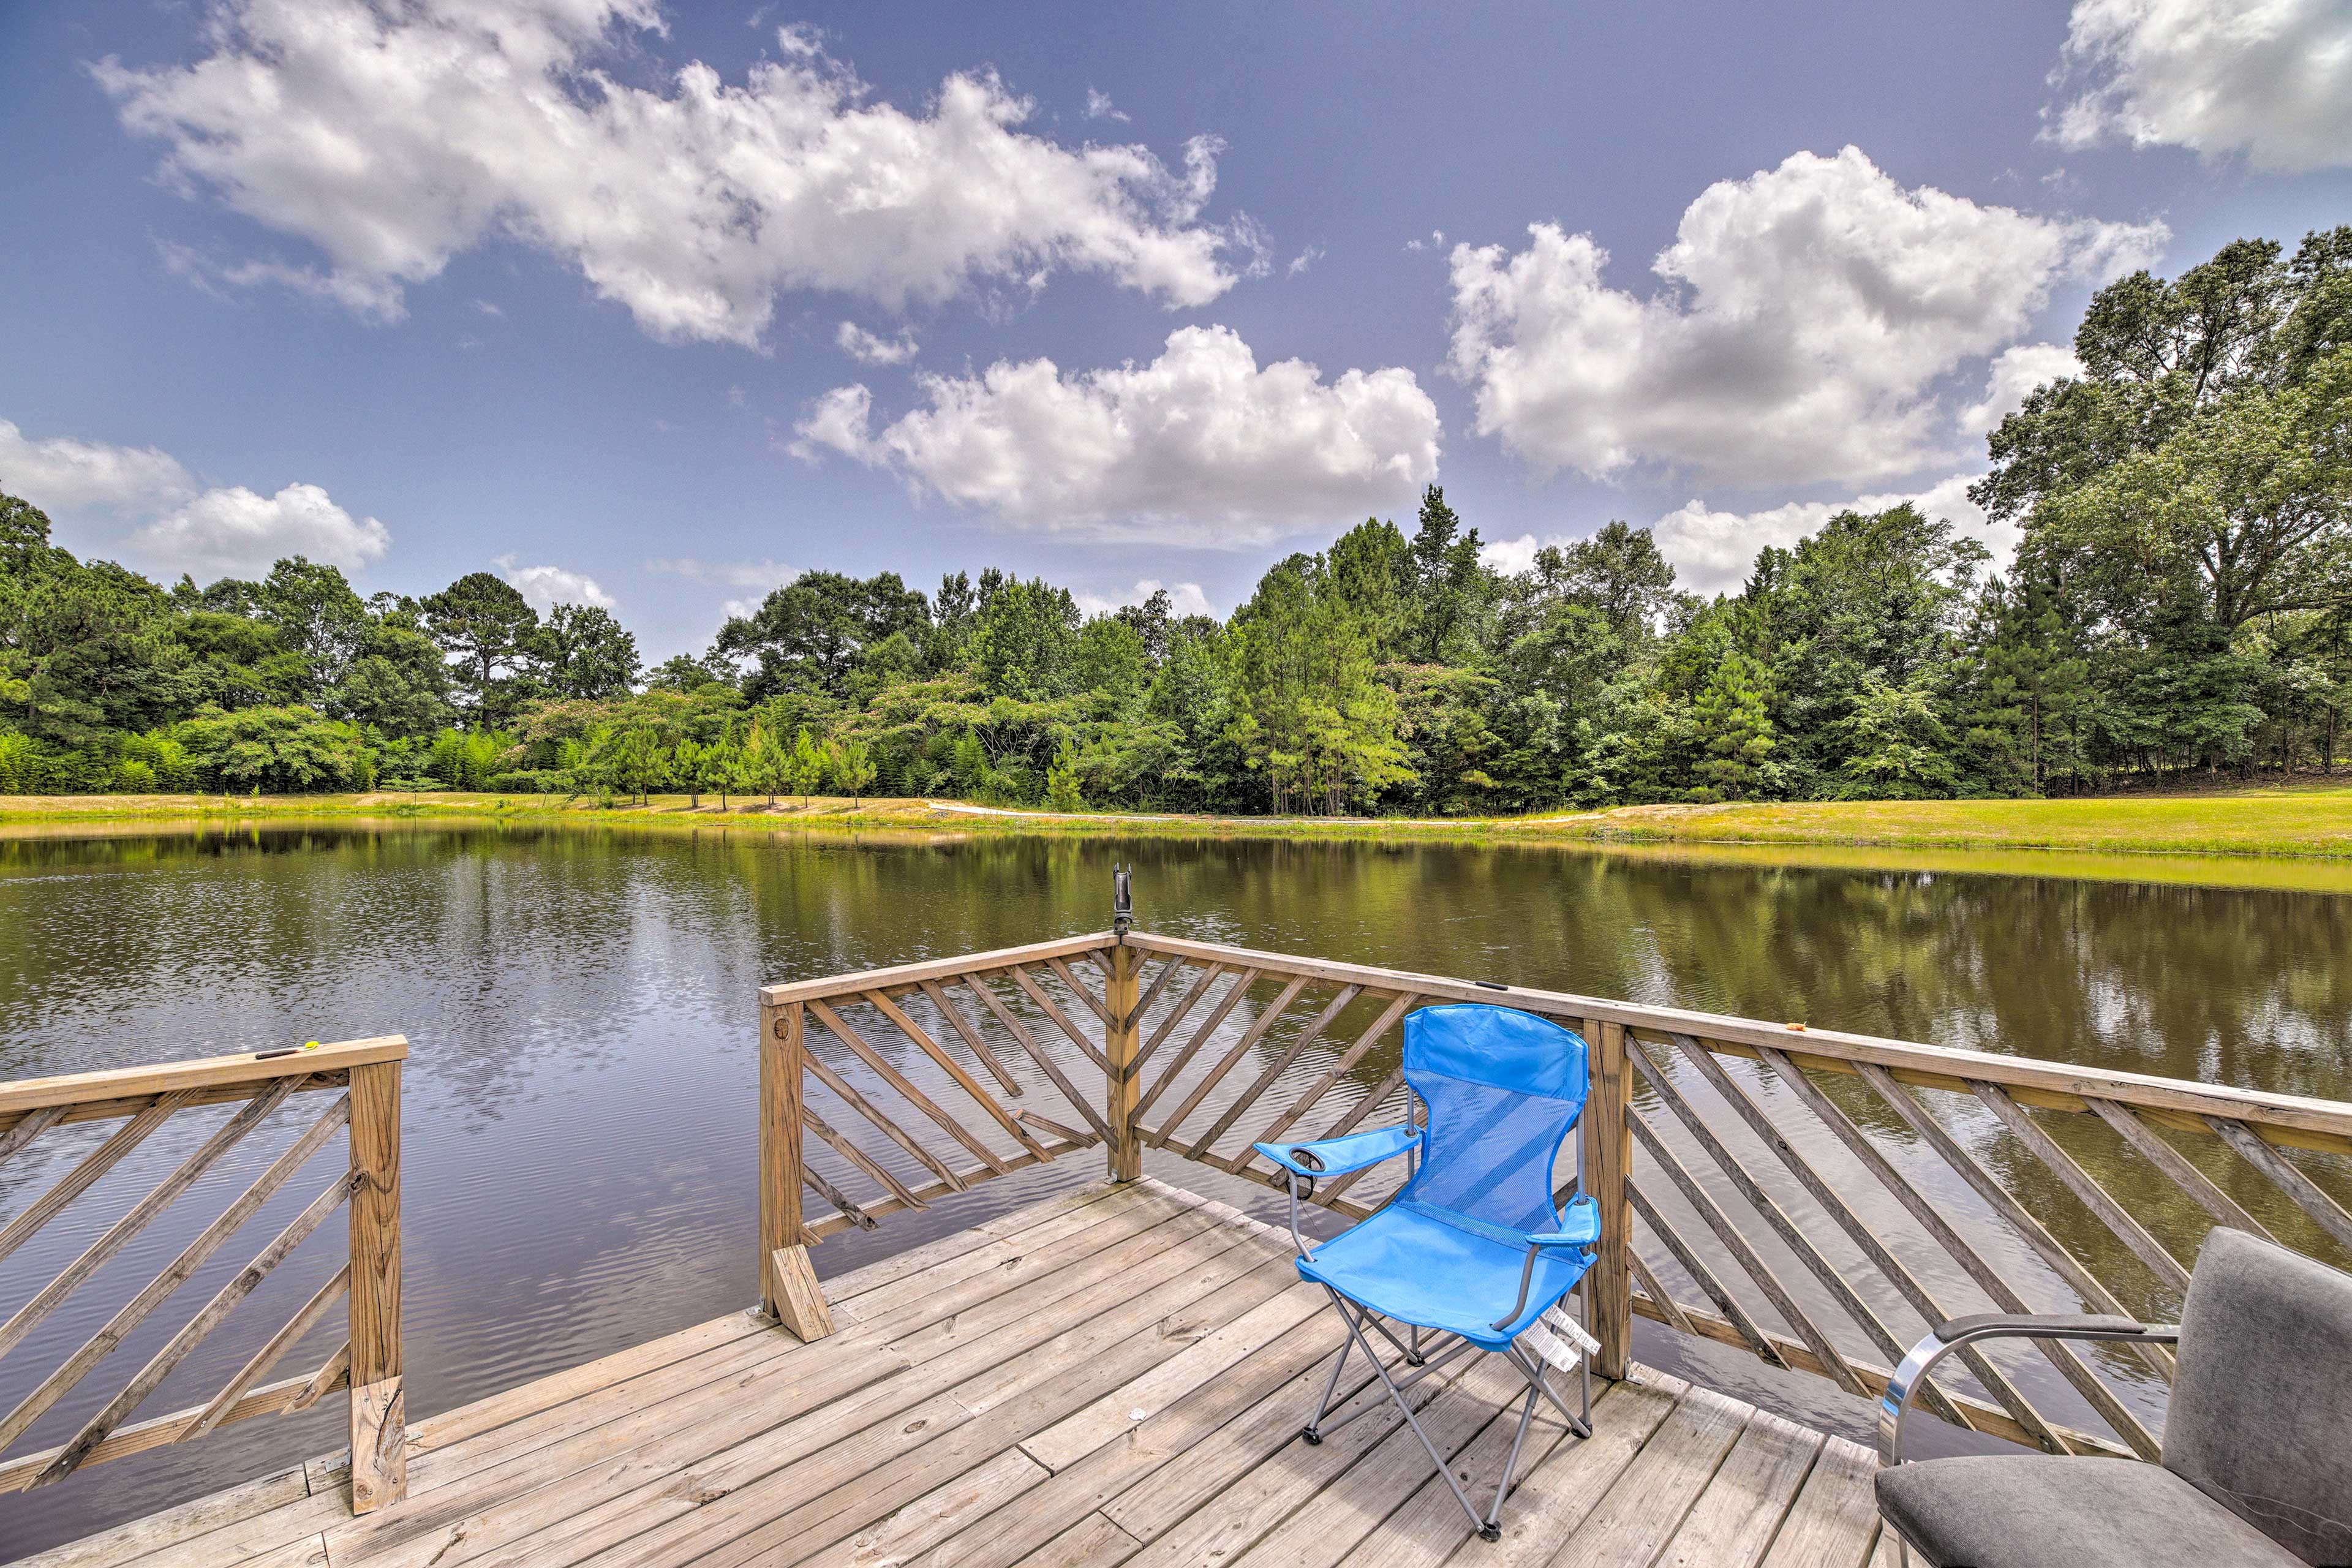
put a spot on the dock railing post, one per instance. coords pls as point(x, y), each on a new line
point(1606, 1160)
point(788, 1287)
point(1121, 1087)
point(378, 1421)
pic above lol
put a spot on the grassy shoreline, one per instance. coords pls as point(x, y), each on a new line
point(2303, 819)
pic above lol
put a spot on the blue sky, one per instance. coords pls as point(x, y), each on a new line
point(654, 305)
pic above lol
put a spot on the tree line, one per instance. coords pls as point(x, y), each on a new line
point(2181, 603)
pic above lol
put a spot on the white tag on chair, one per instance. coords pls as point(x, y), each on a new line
point(1559, 1339)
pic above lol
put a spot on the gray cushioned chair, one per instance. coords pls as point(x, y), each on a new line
point(2257, 1470)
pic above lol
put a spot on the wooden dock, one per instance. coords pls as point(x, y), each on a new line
point(1119, 1375)
point(1114, 1376)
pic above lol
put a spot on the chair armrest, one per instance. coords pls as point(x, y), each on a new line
point(1998, 1325)
point(1952, 1334)
point(1338, 1156)
point(1580, 1226)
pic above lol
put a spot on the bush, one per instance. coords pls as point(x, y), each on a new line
point(133, 776)
point(168, 764)
point(24, 765)
point(464, 759)
point(79, 773)
point(526, 781)
point(289, 751)
point(1061, 783)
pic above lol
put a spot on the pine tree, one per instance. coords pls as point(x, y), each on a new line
point(805, 767)
point(1445, 573)
point(761, 767)
point(639, 761)
point(1730, 714)
point(2035, 690)
point(716, 768)
point(851, 765)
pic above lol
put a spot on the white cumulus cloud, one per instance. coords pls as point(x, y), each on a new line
point(2268, 79)
point(176, 525)
point(1201, 445)
point(394, 138)
point(1183, 598)
point(544, 587)
point(2014, 373)
point(1805, 317)
point(61, 474)
point(870, 348)
point(237, 532)
point(1512, 556)
point(1712, 551)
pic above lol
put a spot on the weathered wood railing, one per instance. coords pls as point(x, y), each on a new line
point(1820, 1197)
point(32, 1113)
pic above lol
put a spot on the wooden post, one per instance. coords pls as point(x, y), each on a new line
point(788, 1287)
point(1122, 1088)
point(379, 1412)
point(1606, 1159)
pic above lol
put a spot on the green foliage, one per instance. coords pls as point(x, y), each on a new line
point(482, 623)
point(281, 751)
point(1446, 578)
point(636, 759)
point(850, 765)
point(1061, 792)
point(583, 652)
point(805, 767)
point(397, 685)
point(1308, 715)
point(763, 764)
point(462, 759)
point(1025, 643)
point(1896, 746)
point(1734, 729)
point(685, 768)
point(164, 759)
point(716, 768)
point(811, 633)
point(24, 768)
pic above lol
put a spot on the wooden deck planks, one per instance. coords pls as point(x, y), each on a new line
point(1115, 1376)
point(1736, 1520)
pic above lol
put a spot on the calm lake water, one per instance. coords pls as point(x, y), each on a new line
point(579, 1106)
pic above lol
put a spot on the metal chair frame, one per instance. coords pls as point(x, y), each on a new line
point(1903, 1385)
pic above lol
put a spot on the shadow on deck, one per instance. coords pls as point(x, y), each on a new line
point(1114, 1376)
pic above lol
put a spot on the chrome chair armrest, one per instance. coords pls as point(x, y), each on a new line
point(1948, 1337)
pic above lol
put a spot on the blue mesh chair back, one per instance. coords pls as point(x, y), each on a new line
point(1504, 1088)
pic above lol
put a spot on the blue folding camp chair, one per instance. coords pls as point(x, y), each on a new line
point(1474, 1247)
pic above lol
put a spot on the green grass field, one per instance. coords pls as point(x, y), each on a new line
point(2308, 819)
point(2303, 819)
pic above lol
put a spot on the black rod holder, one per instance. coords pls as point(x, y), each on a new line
point(1122, 901)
